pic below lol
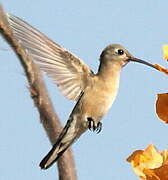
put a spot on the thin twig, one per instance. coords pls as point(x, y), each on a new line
point(48, 117)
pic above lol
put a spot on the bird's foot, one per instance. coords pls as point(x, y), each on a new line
point(93, 126)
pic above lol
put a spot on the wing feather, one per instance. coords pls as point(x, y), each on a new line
point(69, 73)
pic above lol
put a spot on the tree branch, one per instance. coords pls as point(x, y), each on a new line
point(48, 117)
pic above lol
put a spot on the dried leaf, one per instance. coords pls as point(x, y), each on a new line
point(161, 172)
point(162, 107)
point(165, 156)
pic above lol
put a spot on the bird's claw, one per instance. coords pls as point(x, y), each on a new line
point(93, 126)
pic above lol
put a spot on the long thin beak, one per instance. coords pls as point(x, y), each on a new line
point(142, 62)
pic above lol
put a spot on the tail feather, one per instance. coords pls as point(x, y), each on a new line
point(53, 155)
point(65, 139)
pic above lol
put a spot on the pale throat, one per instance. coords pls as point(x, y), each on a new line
point(110, 73)
point(108, 78)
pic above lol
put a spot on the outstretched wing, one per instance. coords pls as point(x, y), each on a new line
point(69, 73)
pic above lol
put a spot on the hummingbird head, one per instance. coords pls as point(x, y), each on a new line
point(115, 53)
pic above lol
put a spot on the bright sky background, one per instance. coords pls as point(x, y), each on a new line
point(85, 28)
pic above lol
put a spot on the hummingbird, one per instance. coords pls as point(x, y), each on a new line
point(94, 93)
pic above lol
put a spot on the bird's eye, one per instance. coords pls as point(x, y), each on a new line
point(120, 51)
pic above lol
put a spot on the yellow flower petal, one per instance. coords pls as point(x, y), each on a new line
point(165, 52)
point(153, 158)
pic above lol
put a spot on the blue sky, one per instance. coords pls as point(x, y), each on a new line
point(85, 28)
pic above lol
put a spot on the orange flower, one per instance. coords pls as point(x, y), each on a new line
point(149, 164)
point(162, 99)
point(165, 56)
